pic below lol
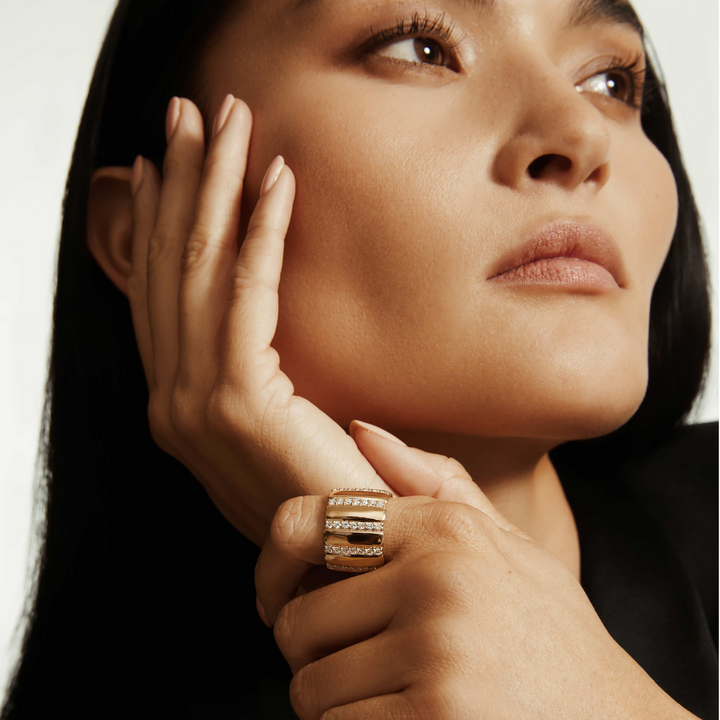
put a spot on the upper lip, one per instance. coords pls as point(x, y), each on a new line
point(566, 238)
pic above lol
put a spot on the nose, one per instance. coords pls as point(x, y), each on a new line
point(557, 135)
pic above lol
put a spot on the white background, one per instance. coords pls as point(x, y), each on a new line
point(47, 53)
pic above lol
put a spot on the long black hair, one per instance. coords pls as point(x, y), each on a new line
point(141, 588)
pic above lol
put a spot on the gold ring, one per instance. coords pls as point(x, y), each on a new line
point(354, 523)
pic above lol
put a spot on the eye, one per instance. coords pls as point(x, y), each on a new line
point(424, 50)
point(419, 41)
point(623, 81)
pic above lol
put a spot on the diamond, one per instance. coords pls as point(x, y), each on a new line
point(346, 525)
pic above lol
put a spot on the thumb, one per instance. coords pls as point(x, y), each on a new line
point(411, 471)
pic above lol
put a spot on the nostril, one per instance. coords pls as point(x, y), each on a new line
point(537, 166)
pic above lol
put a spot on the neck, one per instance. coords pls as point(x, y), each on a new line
point(519, 479)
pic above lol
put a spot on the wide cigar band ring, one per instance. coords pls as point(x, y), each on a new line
point(354, 522)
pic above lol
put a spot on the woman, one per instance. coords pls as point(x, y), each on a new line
point(386, 169)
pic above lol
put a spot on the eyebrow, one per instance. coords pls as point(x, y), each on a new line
point(581, 13)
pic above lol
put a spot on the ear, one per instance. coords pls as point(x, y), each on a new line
point(110, 223)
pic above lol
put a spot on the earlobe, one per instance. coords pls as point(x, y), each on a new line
point(110, 223)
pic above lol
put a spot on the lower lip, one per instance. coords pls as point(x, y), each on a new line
point(560, 271)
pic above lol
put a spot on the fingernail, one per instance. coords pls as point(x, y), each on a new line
point(137, 174)
point(272, 174)
point(375, 430)
point(172, 118)
point(223, 113)
point(261, 612)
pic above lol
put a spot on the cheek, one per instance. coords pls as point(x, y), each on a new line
point(369, 270)
point(647, 219)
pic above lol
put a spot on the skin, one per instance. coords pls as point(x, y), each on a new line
point(360, 289)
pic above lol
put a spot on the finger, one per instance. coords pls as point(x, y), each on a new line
point(296, 543)
point(212, 247)
point(372, 668)
point(314, 625)
point(182, 169)
point(411, 471)
point(146, 194)
point(247, 358)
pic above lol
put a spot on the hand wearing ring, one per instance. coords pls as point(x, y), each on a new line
point(466, 618)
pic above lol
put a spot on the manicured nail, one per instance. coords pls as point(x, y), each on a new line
point(172, 118)
point(272, 174)
point(261, 612)
point(137, 174)
point(223, 113)
point(375, 430)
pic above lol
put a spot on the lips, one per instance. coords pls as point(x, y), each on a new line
point(564, 239)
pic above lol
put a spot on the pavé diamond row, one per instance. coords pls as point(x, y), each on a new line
point(351, 550)
point(344, 568)
point(352, 525)
point(369, 502)
point(383, 492)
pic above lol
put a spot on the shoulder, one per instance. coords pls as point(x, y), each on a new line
point(677, 483)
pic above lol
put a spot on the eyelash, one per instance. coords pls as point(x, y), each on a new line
point(435, 27)
point(438, 29)
point(634, 70)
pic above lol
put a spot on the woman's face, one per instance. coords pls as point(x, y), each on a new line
point(419, 166)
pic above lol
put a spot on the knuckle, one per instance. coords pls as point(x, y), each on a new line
point(137, 286)
point(283, 629)
point(183, 416)
point(226, 414)
point(159, 423)
point(260, 227)
point(223, 164)
point(451, 521)
point(242, 280)
point(159, 243)
point(452, 468)
point(195, 252)
point(304, 692)
point(292, 515)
